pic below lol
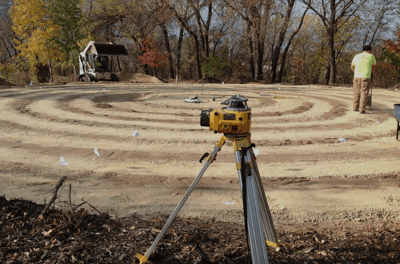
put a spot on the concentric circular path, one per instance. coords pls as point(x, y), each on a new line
point(308, 174)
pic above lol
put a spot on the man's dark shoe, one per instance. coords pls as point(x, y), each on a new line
point(362, 112)
point(355, 110)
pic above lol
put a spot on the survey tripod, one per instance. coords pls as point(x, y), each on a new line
point(260, 230)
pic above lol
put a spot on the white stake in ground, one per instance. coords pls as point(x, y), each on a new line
point(63, 161)
point(96, 152)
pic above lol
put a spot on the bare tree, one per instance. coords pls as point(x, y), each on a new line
point(228, 32)
point(334, 14)
point(377, 17)
point(203, 25)
point(289, 43)
point(182, 15)
point(256, 14)
point(183, 12)
point(283, 28)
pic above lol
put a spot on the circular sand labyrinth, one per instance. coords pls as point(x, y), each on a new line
point(296, 130)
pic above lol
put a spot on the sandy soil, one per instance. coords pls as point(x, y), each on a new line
point(307, 173)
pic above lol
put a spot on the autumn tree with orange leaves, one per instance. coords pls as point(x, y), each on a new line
point(152, 56)
point(387, 70)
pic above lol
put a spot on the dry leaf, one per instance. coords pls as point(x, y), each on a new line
point(49, 233)
point(307, 250)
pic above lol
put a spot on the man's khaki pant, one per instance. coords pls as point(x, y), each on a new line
point(361, 89)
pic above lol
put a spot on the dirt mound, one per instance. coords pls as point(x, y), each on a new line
point(63, 236)
point(4, 82)
point(143, 78)
point(209, 80)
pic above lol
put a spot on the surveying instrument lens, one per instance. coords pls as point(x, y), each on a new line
point(205, 118)
point(234, 121)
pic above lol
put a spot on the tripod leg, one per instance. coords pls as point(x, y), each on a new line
point(269, 228)
point(253, 214)
point(210, 159)
point(251, 200)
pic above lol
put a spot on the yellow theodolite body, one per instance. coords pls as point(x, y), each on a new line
point(234, 119)
point(230, 121)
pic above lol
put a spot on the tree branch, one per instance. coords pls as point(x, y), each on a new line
point(58, 185)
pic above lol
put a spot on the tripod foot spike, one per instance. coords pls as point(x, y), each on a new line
point(142, 258)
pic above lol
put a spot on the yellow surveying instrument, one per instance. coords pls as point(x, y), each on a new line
point(234, 119)
point(235, 122)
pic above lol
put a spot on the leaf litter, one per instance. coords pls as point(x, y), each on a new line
point(75, 236)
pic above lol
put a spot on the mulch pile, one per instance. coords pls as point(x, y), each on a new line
point(75, 236)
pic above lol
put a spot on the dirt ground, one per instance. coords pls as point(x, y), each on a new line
point(308, 175)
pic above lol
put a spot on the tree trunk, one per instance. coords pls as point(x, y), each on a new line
point(332, 59)
point(51, 71)
point(73, 63)
point(275, 58)
point(146, 69)
point(251, 51)
point(328, 74)
point(196, 45)
point(27, 76)
point(168, 49)
point(200, 30)
point(9, 53)
point(50, 65)
point(260, 56)
point(178, 54)
point(283, 63)
point(207, 30)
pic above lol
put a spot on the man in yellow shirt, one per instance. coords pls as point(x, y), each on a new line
point(363, 65)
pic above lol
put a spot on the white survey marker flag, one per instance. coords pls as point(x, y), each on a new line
point(96, 152)
point(256, 151)
point(63, 162)
point(136, 133)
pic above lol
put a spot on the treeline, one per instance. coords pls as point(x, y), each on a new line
point(269, 41)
